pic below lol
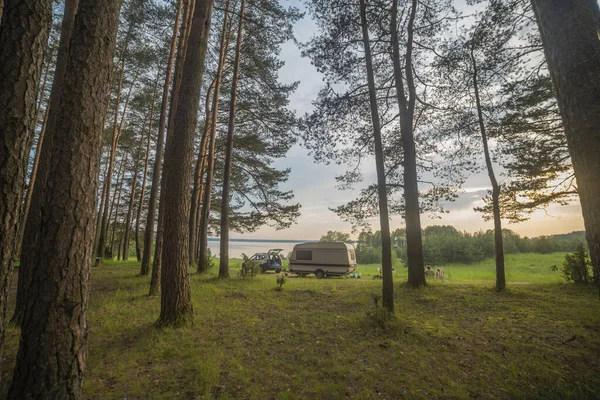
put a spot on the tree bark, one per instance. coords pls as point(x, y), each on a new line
point(36, 157)
point(224, 242)
point(569, 31)
point(30, 242)
point(205, 211)
point(198, 176)
point(498, 243)
point(412, 218)
point(176, 305)
point(53, 345)
point(138, 250)
point(156, 170)
point(23, 39)
point(386, 242)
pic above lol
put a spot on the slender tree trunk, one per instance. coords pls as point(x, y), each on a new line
point(198, 175)
point(36, 159)
point(176, 305)
point(386, 243)
point(499, 245)
point(138, 250)
point(108, 253)
point(53, 345)
point(23, 39)
point(156, 170)
point(224, 248)
point(30, 242)
point(111, 162)
point(117, 205)
point(205, 211)
point(126, 234)
point(414, 241)
point(569, 31)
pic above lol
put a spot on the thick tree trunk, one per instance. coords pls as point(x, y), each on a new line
point(198, 175)
point(412, 218)
point(176, 305)
point(126, 234)
point(499, 245)
point(386, 242)
point(33, 222)
point(23, 39)
point(224, 242)
point(156, 170)
point(111, 163)
point(138, 250)
point(36, 157)
point(573, 53)
point(155, 282)
point(205, 211)
point(53, 346)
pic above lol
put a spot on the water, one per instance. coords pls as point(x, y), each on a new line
point(251, 246)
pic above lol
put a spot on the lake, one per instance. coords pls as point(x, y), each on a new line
point(251, 246)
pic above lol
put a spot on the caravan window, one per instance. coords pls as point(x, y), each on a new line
point(352, 256)
point(305, 255)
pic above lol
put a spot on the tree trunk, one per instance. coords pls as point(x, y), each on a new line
point(126, 234)
point(386, 242)
point(499, 245)
point(23, 39)
point(30, 243)
point(155, 282)
point(573, 53)
point(176, 305)
point(53, 345)
point(205, 211)
point(414, 241)
point(149, 229)
point(224, 242)
point(198, 176)
point(138, 250)
point(36, 159)
point(111, 163)
point(117, 204)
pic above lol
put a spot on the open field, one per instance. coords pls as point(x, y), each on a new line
point(317, 339)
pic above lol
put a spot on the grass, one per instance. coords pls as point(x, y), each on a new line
point(317, 339)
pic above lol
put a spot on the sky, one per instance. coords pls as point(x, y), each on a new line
point(315, 189)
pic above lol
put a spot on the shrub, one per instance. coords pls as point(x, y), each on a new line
point(209, 264)
point(250, 268)
point(280, 282)
point(379, 315)
point(577, 266)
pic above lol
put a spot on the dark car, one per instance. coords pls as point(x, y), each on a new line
point(269, 261)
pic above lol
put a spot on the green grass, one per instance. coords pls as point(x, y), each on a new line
point(316, 340)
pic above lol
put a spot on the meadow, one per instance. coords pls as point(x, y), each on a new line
point(323, 339)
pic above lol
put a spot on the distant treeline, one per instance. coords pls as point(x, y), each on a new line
point(445, 244)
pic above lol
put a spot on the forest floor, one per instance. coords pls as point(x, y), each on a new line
point(323, 339)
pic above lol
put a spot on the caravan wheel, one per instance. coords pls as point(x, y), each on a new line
point(320, 274)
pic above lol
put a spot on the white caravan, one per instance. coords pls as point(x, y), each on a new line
point(323, 259)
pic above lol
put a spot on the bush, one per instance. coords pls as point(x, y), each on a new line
point(209, 265)
point(577, 266)
point(250, 268)
point(379, 315)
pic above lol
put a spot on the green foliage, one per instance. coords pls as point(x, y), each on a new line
point(445, 244)
point(577, 266)
point(336, 236)
point(209, 264)
point(250, 268)
point(379, 315)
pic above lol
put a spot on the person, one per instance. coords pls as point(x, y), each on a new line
point(439, 273)
point(429, 272)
